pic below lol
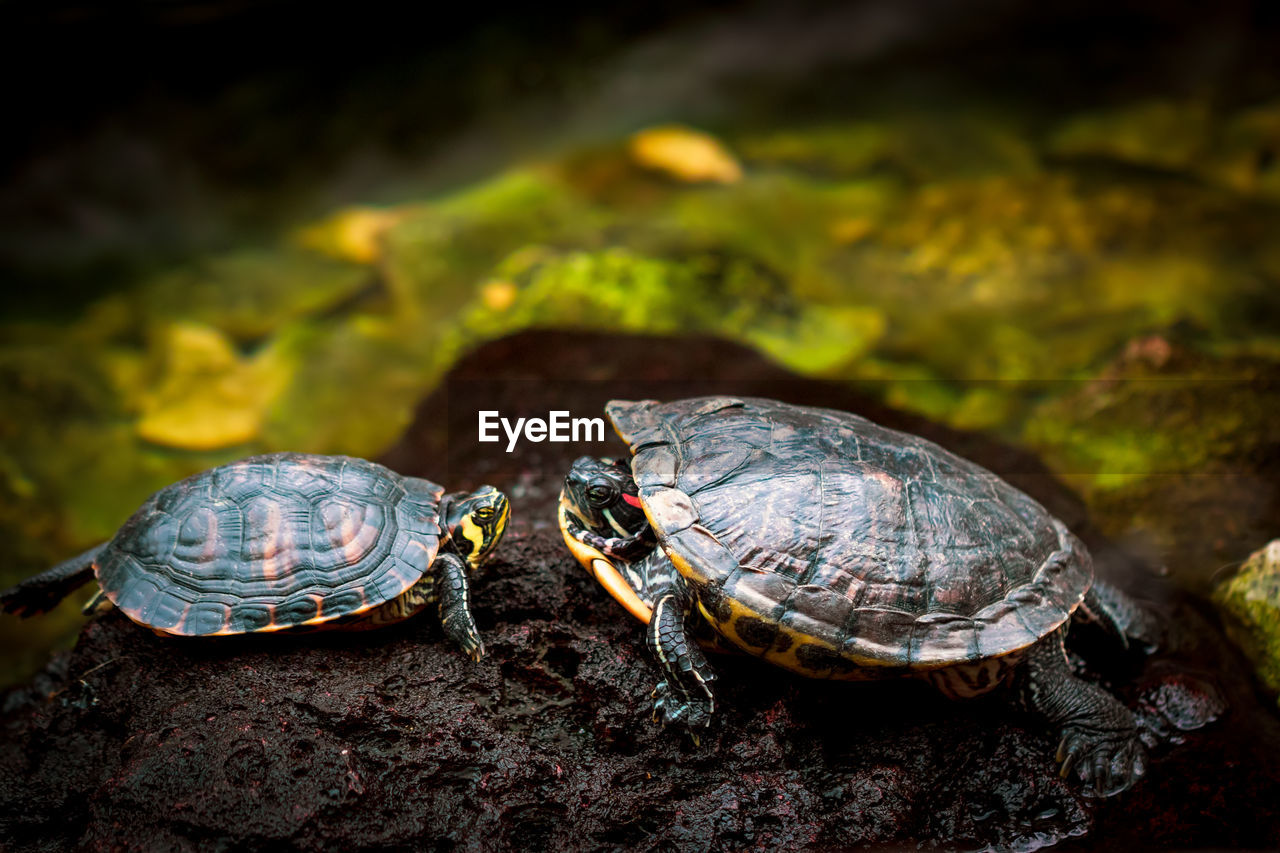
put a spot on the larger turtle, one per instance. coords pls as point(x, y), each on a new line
point(288, 541)
point(835, 548)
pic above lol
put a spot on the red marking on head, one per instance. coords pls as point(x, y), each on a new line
point(631, 499)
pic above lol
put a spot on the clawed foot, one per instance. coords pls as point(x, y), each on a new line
point(690, 711)
point(1108, 762)
point(460, 628)
point(471, 645)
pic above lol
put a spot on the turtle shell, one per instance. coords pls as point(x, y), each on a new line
point(833, 546)
point(271, 542)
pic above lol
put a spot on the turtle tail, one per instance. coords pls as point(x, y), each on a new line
point(42, 593)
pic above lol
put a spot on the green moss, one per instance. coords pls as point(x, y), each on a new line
point(699, 292)
point(834, 149)
point(1249, 602)
point(1164, 446)
point(1244, 157)
point(922, 146)
point(355, 387)
point(438, 252)
point(248, 294)
point(797, 226)
point(1141, 421)
point(1165, 134)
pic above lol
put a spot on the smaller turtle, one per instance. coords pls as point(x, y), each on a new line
point(287, 541)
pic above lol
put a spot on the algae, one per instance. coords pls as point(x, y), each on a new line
point(1171, 442)
point(1157, 133)
point(355, 387)
point(1249, 602)
point(921, 147)
point(248, 294)
point(1247, 156)
point(700, 292)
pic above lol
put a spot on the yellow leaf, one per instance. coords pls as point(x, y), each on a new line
point(352, 235)
point(686, 155)
point(207, 396)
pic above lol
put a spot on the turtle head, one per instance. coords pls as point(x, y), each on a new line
point(475, 522)
point(603, 495)
point(600, 495)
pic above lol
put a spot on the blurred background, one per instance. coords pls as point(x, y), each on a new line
point(234, 227)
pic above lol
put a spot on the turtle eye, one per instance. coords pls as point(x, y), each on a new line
point(601, 494)
point(484, 513)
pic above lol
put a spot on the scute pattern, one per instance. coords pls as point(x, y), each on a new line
point(272, 542)
point(870, 545)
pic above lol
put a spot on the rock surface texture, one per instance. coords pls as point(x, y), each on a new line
point(391, 739)
point(1249, 602)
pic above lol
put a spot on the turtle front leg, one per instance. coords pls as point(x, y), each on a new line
point(1099, 734)
point(628, 548)
point(683, 696)
point(453, 599)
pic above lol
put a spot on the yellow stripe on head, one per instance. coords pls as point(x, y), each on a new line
point(474, 534)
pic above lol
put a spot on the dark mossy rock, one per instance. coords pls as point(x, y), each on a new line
point(1249, 603)
point(1173, 445)
point(393, 740)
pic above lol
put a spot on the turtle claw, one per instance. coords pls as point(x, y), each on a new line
point(475, 652)
point(466, 638)
point(1106, 762)
point(674, 707)
point(1067, 757)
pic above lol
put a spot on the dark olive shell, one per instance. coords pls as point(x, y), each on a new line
point(872, 546)
point(272, 542)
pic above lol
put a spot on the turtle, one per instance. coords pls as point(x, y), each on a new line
point(287, 541)
point(822, 543)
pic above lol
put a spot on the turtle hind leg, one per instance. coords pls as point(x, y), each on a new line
point(43, 592)
point(1099, 737)
point(683, 697)
point(99, 603)
point(1121, 616)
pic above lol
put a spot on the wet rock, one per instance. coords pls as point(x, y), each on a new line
point(1249, 602)
point(393, 739)
point(1173, 446)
